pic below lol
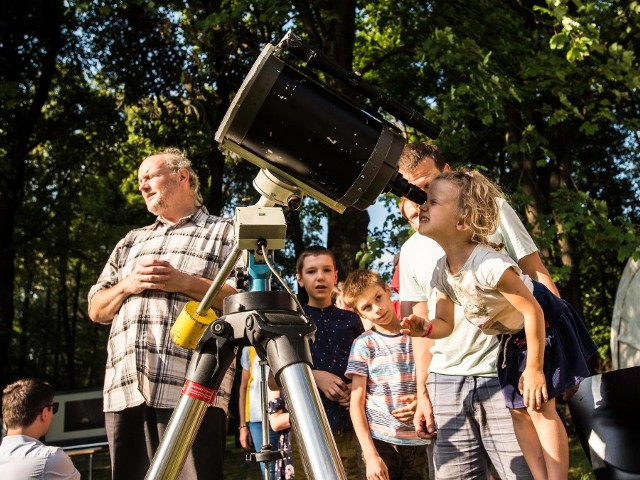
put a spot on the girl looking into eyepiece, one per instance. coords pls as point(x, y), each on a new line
point(544, 344)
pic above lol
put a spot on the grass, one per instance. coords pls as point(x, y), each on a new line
point(101, 466)
point(236, 468)
point(579, 467)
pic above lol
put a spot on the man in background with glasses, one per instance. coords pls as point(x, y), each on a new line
point(27, 411)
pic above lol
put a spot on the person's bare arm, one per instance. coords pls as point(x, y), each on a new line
point(532, 265)
point(440, 326)
point(193, 286)
point(422, 358)
point(244, 433)
point(532, 382)
point(104, 305)
point(376, 467)
point(423, 416)
point(417, 308)
point(279, 420)
point(423, 420)
point(421, 346)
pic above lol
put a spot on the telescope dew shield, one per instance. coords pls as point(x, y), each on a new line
point(283, 121)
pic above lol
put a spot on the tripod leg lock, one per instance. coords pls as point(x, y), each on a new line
point(212, 358)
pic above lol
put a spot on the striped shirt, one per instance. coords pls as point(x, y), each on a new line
point(143, 363)
point(387, 362)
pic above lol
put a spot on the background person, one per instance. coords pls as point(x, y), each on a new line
point(250, 406)
point(152, 272)
point(28, 410)
point(280, 422)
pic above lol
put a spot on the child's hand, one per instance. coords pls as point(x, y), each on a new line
point(331, 386)
point(406, 413)
point(533, 388)
point(376, 468)
point(346, 399)
point(414, 326)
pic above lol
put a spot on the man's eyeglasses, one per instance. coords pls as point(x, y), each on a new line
point(53, 406)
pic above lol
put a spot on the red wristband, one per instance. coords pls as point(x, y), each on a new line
point(428, 332)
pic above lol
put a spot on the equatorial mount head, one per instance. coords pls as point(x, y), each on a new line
point(277, 190)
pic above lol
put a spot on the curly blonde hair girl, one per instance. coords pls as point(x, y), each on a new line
point(477, 203)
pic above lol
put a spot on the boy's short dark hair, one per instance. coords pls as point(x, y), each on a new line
point(313, 252)
point(357, 282)
point(23, 400)
point(414, 153)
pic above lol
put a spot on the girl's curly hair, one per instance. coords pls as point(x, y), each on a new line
point(477, 203)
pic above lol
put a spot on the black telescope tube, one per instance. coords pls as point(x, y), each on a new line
point(316, 58)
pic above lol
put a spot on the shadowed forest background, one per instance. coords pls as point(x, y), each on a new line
point(542, 96)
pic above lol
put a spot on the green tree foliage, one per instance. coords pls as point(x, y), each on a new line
point(541, 95)
point(57, 131)
point(544, 97)
point(161, 74)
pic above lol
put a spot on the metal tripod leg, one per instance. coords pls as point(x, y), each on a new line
point(213, 358)
point(265, 453)
point(270, 322)
point(310, 423)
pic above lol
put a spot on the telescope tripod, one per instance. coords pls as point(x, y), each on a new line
point(271, 323)
point(274, 324)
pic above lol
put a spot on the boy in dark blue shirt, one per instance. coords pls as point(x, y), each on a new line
point(336, 330)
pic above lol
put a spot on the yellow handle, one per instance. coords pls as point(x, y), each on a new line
point(189, 326)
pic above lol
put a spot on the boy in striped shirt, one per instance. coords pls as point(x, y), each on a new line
point(382, 370)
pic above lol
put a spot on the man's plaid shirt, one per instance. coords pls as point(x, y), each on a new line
point(143, 363)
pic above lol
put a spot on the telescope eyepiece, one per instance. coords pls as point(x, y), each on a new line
point(399, 186)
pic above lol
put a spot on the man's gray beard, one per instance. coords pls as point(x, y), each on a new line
point(156, 207)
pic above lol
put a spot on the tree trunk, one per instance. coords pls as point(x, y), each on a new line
point(65, 321)
point(560, 177)
point(331, 27)
point(294, 231)
point(25, 327)
point(75, 312)
point(347, 234)
point(216, 159)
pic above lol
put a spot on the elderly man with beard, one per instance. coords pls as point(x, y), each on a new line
point(152, 272)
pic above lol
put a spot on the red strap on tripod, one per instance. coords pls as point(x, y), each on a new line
point(199, 392)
